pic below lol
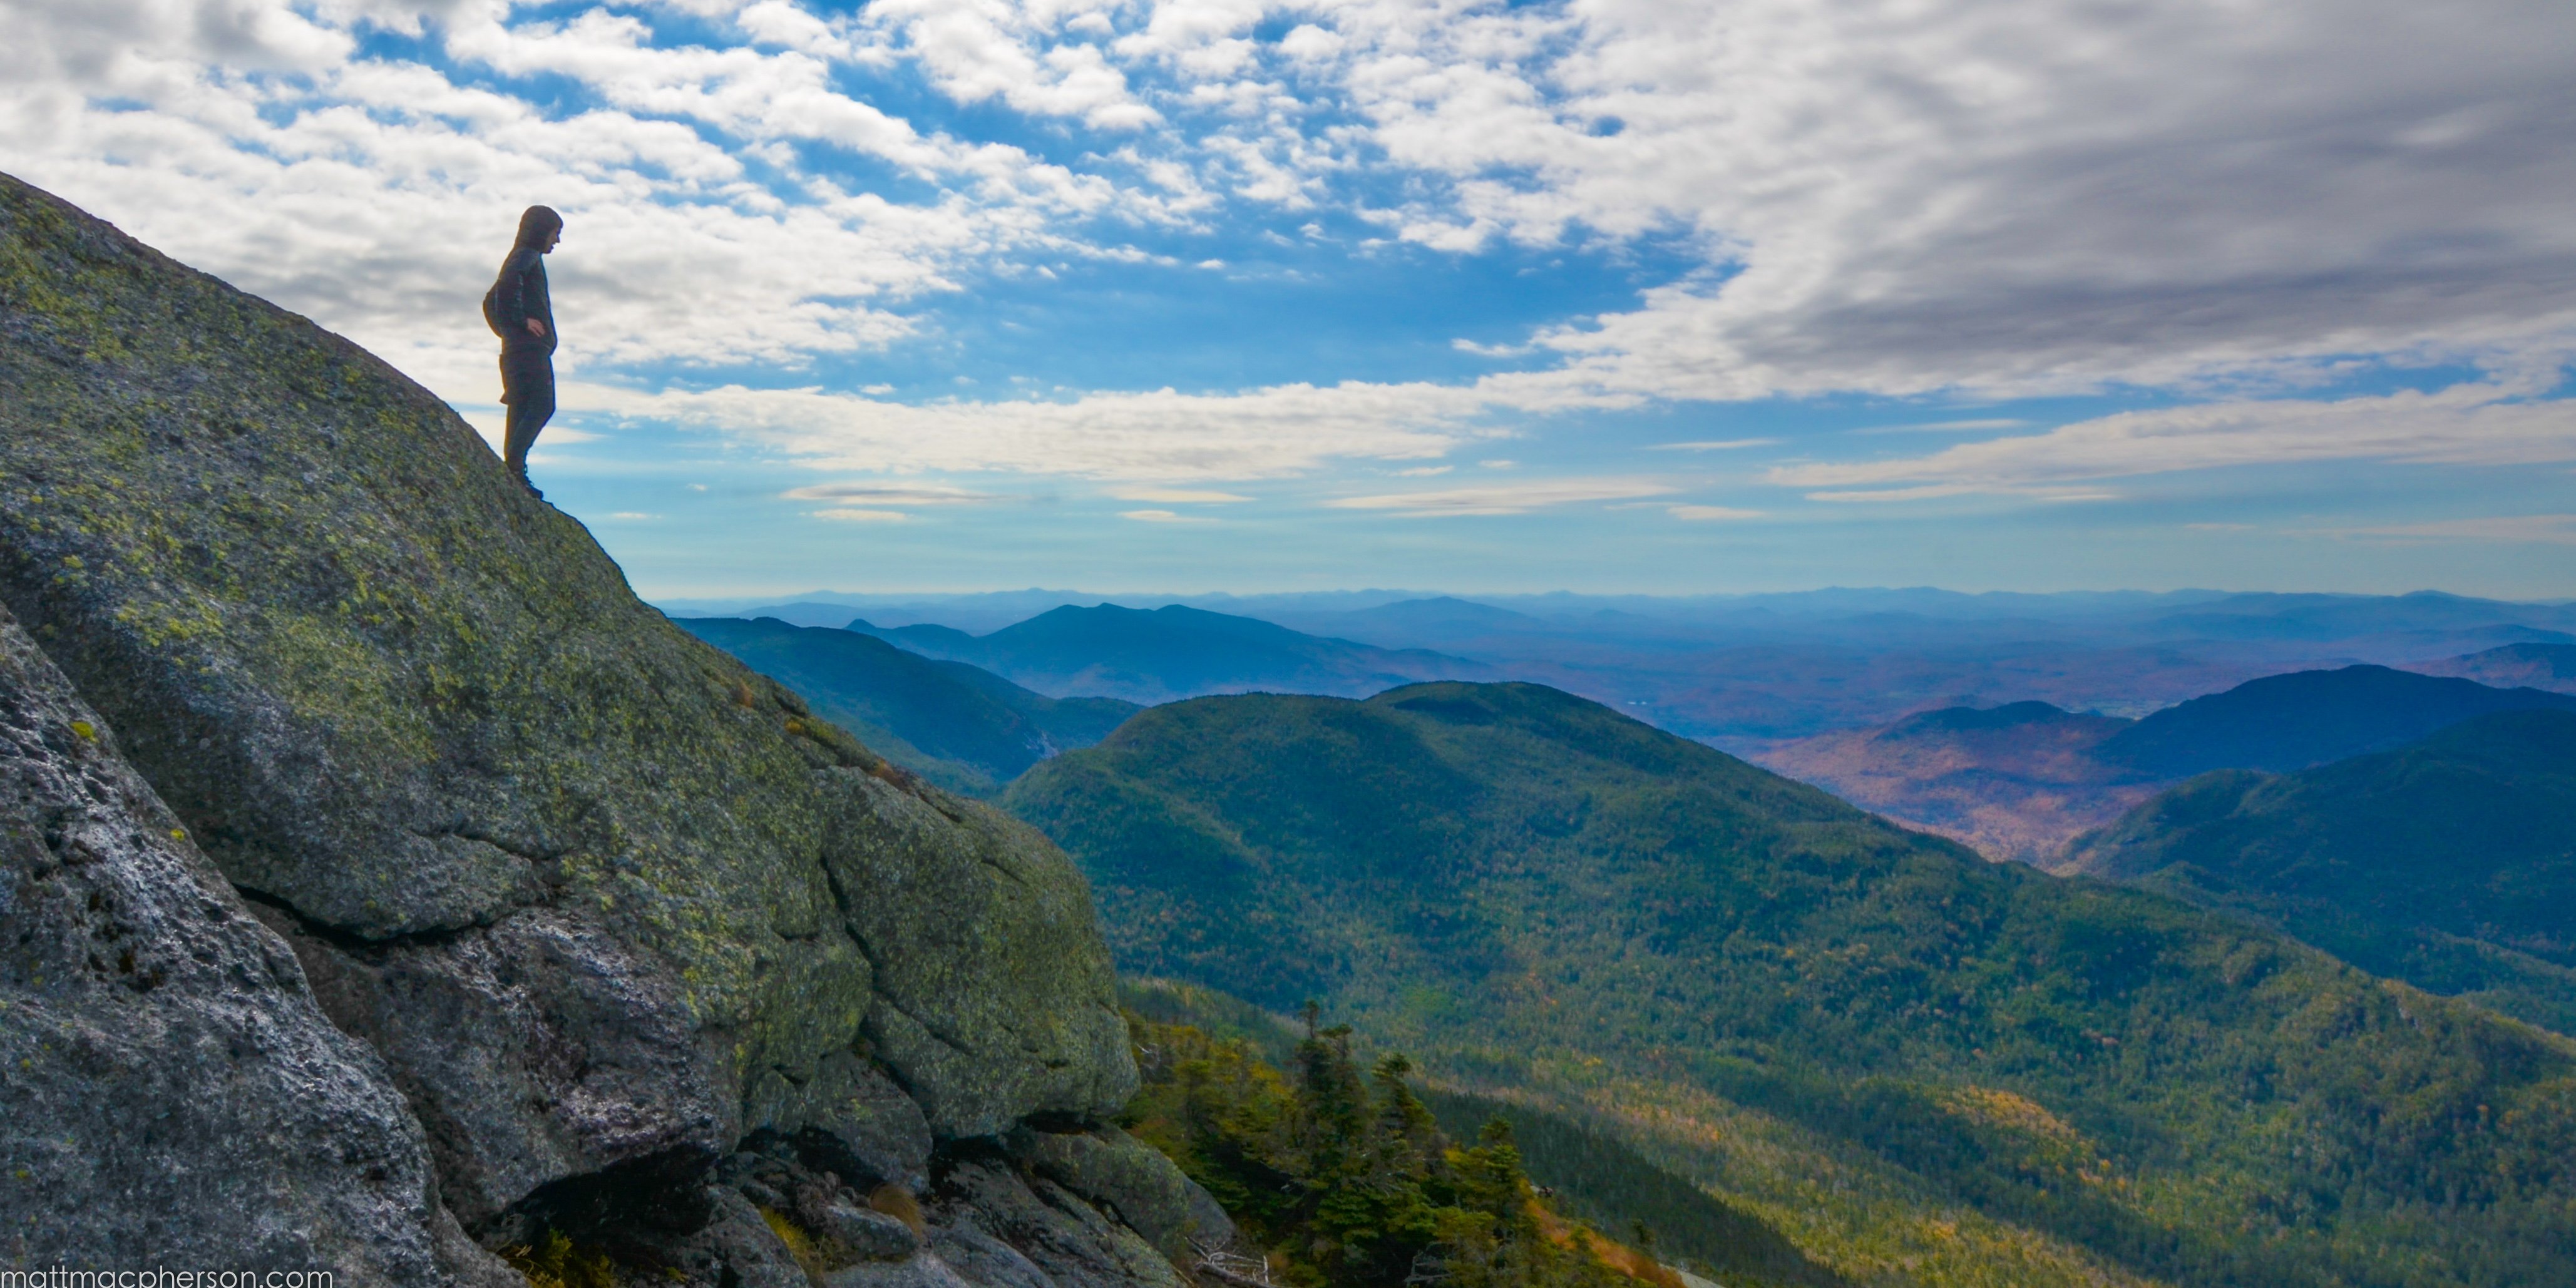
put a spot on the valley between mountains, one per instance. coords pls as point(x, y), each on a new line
point(1748, 985)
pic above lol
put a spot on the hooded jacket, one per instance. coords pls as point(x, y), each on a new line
point(520, 292)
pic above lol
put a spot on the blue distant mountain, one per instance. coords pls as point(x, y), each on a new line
point(2286, 722)
point(962, 727)
point(2536, 665)
point(1163, 654)
point(2331, 617)
point(2020, 781)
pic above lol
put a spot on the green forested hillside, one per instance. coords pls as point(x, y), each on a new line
point(1589, 1171)
point(961, 727)
point(2450, 864)
point(1924, 1067)
point(1336, 1170)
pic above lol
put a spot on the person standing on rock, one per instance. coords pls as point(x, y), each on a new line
point(521, 313)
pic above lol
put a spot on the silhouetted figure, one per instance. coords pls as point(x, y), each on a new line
point(519, 310)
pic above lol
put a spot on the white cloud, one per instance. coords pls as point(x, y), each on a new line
point(1157, 437)
point(976, 50)
point(1503, 498)
point(1178, 495)
point(882, 494)
point(1163, 516)
point(2467, 424)
point(1991, 197)
point(2524, 529)
point(1710, 513)
point(2016, 195)
point(1946, 426)
point(378, 196)
point(843, 514)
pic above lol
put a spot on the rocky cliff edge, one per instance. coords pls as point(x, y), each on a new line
point(631, 945)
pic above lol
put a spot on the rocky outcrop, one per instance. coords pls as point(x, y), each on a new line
point(607, 905)
point(1128, 1178)
point(172, 1094)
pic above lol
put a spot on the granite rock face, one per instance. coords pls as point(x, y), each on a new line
point(605, 903)
point(1068, 1242)
point(169, 1092)
point(1145, 1190)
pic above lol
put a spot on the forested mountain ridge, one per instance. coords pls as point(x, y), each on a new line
point(2450, 863)
point(1588, 1171)
point(2073, 1080)
point(2023, 780)
point(1171, 652)
point(961, 726)
point(2537, 665)
point(2285, 722)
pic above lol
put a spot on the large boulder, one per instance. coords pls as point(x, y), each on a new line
point(1011, 1229)
point(1129, 1178)
point(170, 1094)
point(599, 895)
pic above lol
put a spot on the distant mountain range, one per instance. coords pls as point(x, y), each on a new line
point(959, 726)
point(2450, 863)
point(2286, 722)
point(1742, 670)
point(1172, 652)
point(2536, 666)
point(2022, 780)
point(1919, 1055)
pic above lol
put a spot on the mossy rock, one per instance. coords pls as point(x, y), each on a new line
point(411, 706)
point(169, 1092)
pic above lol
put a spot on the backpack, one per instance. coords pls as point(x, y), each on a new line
point(492, 308)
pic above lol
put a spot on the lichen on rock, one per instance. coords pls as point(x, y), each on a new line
point(169, 1092)
point(594, 891)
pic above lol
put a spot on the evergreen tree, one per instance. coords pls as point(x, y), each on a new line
point(1345, 1177)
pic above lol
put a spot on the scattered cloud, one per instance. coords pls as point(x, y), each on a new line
point(1716, 445)
point(1157, 437)
point(1945, 426)
point(2525, 529)
point(1937, 491)
point(2020, 196)
point(1163, 516)
point(843, 514)
point(633, 516)
point(1710, 513)
point(1178, 495)
point(886, 494)
point(1503, 498)
point(1989, 198)
point(2491, 423)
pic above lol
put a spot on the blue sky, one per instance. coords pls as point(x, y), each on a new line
point(1234, 295)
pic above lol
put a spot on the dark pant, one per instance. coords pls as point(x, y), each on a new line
point(528, 386)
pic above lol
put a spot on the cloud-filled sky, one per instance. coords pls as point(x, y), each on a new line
point(1654, 295)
